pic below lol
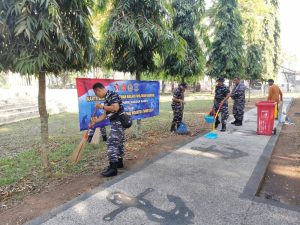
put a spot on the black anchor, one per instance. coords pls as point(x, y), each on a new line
point(180, 215)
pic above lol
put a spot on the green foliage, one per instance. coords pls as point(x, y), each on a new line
point(253, 13)
point(254, 62)
point(45, 35)
point(270, 40)
point(136, 30)
point(276, 35)
point(101, 5)
point(187, 15)
point(226, 56)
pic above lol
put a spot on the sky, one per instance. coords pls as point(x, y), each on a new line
point(290, 31)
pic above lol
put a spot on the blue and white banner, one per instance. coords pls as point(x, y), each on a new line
point(140, 98)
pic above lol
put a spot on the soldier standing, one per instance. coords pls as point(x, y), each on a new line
point(238, 96)
point(222, 93)
point(178, 106)
point(115, 142)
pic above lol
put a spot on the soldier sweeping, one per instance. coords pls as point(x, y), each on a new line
point(178, 106)
point(222, 93)
point(238, 96)
point(115, 142)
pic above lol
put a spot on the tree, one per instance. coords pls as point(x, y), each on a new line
point(226, 55)
point(253, 13)
point(41, 36)
point(134, 33)
point(270, 39)
point(276, 36)
point(187, 16)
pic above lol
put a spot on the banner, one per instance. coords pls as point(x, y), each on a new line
point(140, 98)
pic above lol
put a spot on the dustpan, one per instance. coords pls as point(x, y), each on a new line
point(211, 120)
point(211, 135)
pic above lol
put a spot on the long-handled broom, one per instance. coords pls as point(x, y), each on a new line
point(77, 153)
point(213, 134)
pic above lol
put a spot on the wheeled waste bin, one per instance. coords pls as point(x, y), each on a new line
point(265, 117)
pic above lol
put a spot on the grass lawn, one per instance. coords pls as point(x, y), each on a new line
point(19, 156)
point(20, 164)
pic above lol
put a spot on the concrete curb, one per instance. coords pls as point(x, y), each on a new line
point(256, 180)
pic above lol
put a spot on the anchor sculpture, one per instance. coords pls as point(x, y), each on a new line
point(180, 215)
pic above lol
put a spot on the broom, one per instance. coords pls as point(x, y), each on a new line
point(77, 153)
point(215, 117)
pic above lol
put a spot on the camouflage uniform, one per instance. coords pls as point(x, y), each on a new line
point(220, 94)
point(92, 131)
point(103, 133)
point(177, 109)
point(238, 95)
point(116, 137)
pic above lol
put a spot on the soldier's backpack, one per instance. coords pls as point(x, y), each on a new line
point(125, 120)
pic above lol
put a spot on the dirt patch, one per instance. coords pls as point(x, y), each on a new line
point(282, 180)
point(57, 194)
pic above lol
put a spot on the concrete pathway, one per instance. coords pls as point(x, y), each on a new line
point(207, 182)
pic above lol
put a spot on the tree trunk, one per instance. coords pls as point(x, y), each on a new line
point(28, 80)
point(163, 84)
point(263, 89)
point(287, 83)
point(44, 118)
point(172, 86)
point(139, 122)
point(230, 84)
point(249, 91)
point(194, 87)
point(211, 86)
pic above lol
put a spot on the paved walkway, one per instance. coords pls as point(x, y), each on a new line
point(207, 182)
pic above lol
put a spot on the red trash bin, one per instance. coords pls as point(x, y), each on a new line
point(265, 117)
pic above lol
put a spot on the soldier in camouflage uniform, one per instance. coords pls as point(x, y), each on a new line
point(222, 93)
point(238, 96)
point(178, 106)
point(115, 143)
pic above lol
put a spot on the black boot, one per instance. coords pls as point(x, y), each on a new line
point(104, 138)
point(217, 123)
point(223, 127)
point(234, 122)
point(173, 127)
point(111, 170)
point(120, 163)
point(239, 123)
point(90, 135)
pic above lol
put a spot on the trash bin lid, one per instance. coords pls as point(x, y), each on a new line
point(266, 103)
